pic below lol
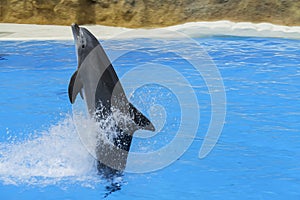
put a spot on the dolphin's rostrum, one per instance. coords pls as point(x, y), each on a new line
point(98, 84)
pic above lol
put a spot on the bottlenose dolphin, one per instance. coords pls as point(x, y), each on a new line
point(98, 84)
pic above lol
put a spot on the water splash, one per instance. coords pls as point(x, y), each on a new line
point(55, 156)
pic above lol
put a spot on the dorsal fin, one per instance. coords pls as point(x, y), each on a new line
point(75, 86)
point(140, 120)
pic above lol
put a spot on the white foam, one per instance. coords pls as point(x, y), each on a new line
point(53, 156)
point(193, 29)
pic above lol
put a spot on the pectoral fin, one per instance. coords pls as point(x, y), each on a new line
point(75, 87)
point(140, 120)
point(81, 94)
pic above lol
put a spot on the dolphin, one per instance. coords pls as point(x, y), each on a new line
point(98, 84)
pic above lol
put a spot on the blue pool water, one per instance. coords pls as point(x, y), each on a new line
point(256, 157)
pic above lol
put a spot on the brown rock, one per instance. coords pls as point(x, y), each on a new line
point(148, 13)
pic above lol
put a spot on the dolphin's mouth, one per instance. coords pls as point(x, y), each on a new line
point(75, 30)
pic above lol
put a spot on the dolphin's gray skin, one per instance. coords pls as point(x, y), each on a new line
point(98, 84)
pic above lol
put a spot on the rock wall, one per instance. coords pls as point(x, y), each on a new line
point(148, 13)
